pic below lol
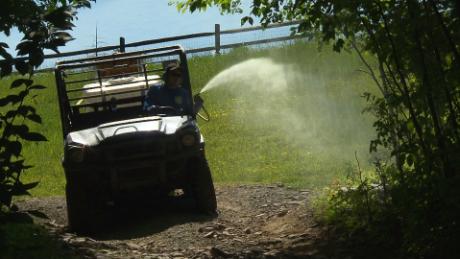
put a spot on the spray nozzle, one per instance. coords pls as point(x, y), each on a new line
point(198, 106)
point(198, 103)
point(197, 99)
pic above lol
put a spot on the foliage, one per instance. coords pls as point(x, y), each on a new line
point(226, 6)
point(44, 24)
point(416, 44)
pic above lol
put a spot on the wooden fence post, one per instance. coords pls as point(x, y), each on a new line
point(217, 37)
point(122, 45)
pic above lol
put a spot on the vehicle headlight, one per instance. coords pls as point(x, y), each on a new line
point(188, 140)
point(76, 154)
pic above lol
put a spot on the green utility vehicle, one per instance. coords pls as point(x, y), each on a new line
point(114, 148)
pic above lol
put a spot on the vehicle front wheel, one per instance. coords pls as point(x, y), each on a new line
point(81, 212)
point(202, 187)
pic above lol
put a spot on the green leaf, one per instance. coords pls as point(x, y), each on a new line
point(25, 47)
point(19, 190)
point(62, 35)
point(18, 82)
point(34, 136)
point(5, 54)
point(15, 148)
point(19, 166)
point(9, 99)
point(22, 67)
point(36, 57)
point(29, 186)
point(11, 114)
point(60, 18)
point(37, 87)
point(82, 3)
point(35, 118)
point(20, 130)
point(246, 19)
point(23, 94)
point(6, 68)
point(23, 110)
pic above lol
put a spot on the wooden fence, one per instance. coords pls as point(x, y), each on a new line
point(217, 46)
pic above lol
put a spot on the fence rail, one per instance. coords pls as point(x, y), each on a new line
point(217, 46)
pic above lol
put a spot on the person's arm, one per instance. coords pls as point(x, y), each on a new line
point(187, 104)
point(197, 103)
point(151, 97)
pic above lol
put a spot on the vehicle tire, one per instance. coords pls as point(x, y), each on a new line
point(202, 187)
point(81, 212)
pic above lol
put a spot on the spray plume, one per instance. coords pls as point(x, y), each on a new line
point(309, 111)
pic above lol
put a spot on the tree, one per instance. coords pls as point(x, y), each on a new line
point(417, 47)
point(44, 25)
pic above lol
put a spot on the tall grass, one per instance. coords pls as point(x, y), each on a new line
point(239, 150)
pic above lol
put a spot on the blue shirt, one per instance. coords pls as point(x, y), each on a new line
point(161, 95)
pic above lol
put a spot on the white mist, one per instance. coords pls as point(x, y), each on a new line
point(307, 111)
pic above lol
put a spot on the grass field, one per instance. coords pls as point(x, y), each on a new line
point(304, 137)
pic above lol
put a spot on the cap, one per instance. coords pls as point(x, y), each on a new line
point(172, 66)
point(170, 69)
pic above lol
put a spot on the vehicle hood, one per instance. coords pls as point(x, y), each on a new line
point(139, 126)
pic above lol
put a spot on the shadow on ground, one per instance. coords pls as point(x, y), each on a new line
point(144, 218)
point(20, 237)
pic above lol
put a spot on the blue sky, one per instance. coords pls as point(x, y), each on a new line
point(137, 20)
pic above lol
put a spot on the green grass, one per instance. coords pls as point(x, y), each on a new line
point(44, 156)
point(247, 147)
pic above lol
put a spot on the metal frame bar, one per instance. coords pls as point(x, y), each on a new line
point(107, 77)
point(123, 57)
point(112, 57)
point(103, 95)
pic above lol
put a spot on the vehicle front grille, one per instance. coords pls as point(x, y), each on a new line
point(138, 150)
point(143, 161)
point(128, 178)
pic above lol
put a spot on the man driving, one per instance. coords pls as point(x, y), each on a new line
point(170, 93)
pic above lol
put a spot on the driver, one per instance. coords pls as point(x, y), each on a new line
point(170, 93)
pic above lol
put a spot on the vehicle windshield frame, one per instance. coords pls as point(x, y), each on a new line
point(80, 111)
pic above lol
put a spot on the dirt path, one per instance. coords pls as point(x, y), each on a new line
point(253, 222)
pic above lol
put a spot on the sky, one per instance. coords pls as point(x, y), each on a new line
point(137, 20)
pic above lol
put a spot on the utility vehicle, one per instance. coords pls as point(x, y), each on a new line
point(114, 148)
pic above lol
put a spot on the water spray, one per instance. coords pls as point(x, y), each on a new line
point(305, 109)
